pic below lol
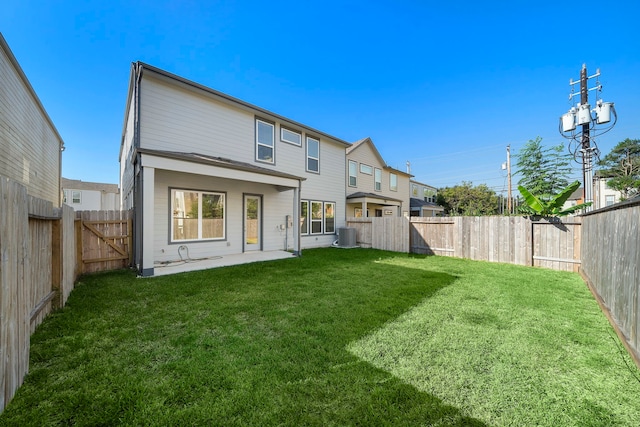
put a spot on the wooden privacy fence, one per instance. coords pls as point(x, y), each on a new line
point(104, 240)
point(514, 240)
point(37, 274)
point(389, 234)
point(610, 258)
point(508, 239)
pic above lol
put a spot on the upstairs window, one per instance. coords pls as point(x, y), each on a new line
point(265, 137)
point(75, 197)
point(313, 155)
point(393, 182)
point(290, 136)
point(378, 179)
point(366, 169)
point(414, 190)
point(353, 174)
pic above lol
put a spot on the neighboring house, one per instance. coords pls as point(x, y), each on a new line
point(576, 198)
point(373, 188)
point(30, 144)
point(90, 196)
point(213, 175)
point(603, 196)
point(423, 200)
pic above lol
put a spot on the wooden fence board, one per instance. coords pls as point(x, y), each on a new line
point(104, 240)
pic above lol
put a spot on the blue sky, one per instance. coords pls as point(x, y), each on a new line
point(444, 85)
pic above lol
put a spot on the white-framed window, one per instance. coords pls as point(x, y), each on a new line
point(197, 215)
point(316, 217)
point(610, 200)
point(429, 194)
point(378, 179)
point(265, 141)
point(76, 196)
point(366, 169)
point(353, 174)
point(290, 136)
point(313, 154)
point(329, 217)
point(414, 190)
point(304, 217)
point(393, 182)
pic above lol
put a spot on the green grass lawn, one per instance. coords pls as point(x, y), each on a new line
point(337, 337)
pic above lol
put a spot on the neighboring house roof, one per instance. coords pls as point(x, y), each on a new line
point(361, 194)
point(368, 140)
point(217, 161)
point(419, 203)
point(140, 67)
point(577, 194)
point(413, 181)
point(77, 184)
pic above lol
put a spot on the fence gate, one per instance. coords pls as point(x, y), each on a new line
point(104, 240)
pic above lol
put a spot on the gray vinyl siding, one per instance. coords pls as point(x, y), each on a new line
point(366, 183)
point(275, 206)
point(29, 143)
point(126, 161)
point(177, 119)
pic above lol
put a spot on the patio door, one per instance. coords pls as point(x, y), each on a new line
point(252, 223)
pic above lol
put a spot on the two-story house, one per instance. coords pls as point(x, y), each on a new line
point(90, 196)
point(423, 200)
point(373, 187)
point(214, 175)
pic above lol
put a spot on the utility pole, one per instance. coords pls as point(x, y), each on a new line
point(509, 207)
point(582, 116)
point(587, 167)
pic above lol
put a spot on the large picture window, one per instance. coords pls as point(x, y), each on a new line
point(313, 155)
point(197, 215)
point(265, 138)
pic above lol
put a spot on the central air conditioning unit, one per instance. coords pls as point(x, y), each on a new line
point(346, 237)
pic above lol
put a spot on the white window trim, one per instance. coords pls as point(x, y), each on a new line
point(273, 139)
point(288, 141)
point(364, 165)
point(308, 218)
point(324, 219)
point(355, 176)
point(312, 220)
point(377, 183)
point(311, 157)
point(391, 186)
point(73, 198)
point(199, 238)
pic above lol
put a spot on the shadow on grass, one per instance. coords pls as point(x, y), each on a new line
point(259, 344)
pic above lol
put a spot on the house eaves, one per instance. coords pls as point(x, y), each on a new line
point(361, 194)
point(230, 100)
point(368, 140)
point(217, 161)
point(4, 46)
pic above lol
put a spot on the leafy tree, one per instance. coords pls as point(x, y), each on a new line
point(622, 165)
point(544, 171)
point(467, 200)
point(554, 206)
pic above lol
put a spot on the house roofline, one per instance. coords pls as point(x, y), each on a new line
point(14, 62)
point(141, 67)
point(368, 139)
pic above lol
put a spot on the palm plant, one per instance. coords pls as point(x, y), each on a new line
point(554, 206)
